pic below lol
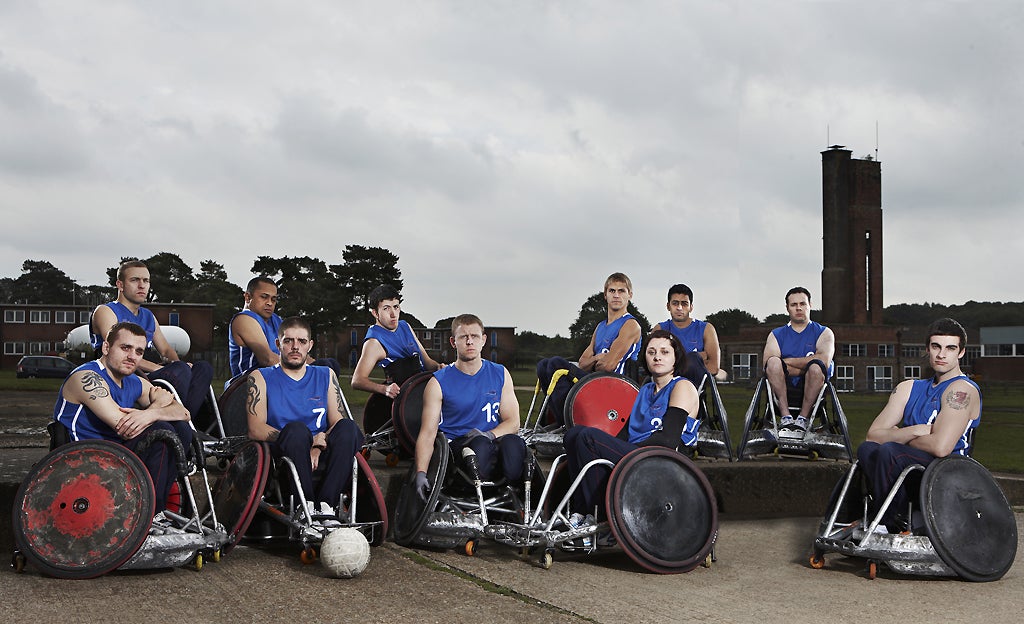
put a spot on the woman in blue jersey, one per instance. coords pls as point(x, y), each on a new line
point(665, 407)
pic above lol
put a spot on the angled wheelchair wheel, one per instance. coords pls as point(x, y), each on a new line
point(968, 519)
point(84, 510)
point(237, 496)
point(376, 413)
point(408, 411)
point(601, 400)
point(232, 407)
point(370, 507)
point(411, 512)
point(662, 510)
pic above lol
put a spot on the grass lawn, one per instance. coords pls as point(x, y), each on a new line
point(998, 442)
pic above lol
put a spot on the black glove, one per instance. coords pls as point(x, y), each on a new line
point(419, 482)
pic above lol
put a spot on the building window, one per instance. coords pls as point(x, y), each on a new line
point(494, 339)
point(83, 317)
point(911, 372)
point(38, 348)
point(844, 379)
point(970, 354)
point(998, 350)
point(14, 348)
point(437, 341)
point(855, 350)
point(173, 318)
point(14, 316)
point(743, 365)
point(913, 351)
point(64, 317)
point(39, 316)
point(426, 337)
point(886, 351)
point(353, 337)
point(880, 378)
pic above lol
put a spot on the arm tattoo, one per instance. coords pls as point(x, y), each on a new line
point(93, 385)
point(253, 392)
point(958, 400)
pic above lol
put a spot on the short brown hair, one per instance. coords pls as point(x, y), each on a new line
point(466, 319)
point(618, 277)
point(129, 264)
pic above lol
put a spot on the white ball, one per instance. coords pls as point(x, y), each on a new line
point(345, 552)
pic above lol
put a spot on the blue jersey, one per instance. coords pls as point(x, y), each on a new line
point(397, 344)
point(80, 421)
point(470, 401)
point(924, 405)
point(793, 344)
point(304, 400)
point(691, 336)
point(143, 319)
point(648, 414)
point(241, 358)
point(605, 335)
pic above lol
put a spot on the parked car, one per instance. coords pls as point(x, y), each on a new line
point(44, 366)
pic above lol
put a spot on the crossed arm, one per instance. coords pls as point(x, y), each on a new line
point(824, 350)
point(629, 335)
point(960, 404)
point(90, 389)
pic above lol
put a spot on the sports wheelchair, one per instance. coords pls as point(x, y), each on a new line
point(605, 400)
point(379, 414)
point(827, 433)
point(87, 508)
point(962, 526)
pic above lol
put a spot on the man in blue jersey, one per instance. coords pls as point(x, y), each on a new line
point(613, 347)
point(474, 405)
point(190, 381)
point(252, 334)
point(799, 352)
point(391, 344)
point(298, 409)
point(104, 399)
point(695, 335)
point(924, 418)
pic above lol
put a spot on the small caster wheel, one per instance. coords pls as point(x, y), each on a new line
point(18, 562)
point(215, 556)
point(872, 570)
point(308, 555)
point(546, 559)
point(707, 561)
point(391, 460)
point(471, 547)
point(197, 563)
point(813, 456)
point(817, 561)
point(365, 453)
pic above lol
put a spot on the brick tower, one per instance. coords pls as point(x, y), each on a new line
point(851, 277)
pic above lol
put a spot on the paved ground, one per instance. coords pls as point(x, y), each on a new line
point(761, 574)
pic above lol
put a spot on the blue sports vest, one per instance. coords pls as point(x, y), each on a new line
point(691, 336)
point(470, 401)
point(144, 319)
point(304, 400)
point(605, 335)
point(241, 358)
point(924, 405)
point(397, 344)
point(80, 421)
point(649, 413)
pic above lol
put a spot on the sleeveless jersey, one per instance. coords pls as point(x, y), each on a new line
point(241, 358)
point(649, 413)
point(605, 335)
point(924, 405)
point(304, 400)
point(397, 344)
point(470, 401)
point(80, 421)
point(143, 319)
point(794, 344)
point(691, 336)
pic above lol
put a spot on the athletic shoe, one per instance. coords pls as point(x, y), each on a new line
point(579, 521)
point(786, 422)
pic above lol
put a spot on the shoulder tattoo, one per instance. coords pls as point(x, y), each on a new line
point(253, 393)
point(93, 385)
point(340, 400)
point(958, 400)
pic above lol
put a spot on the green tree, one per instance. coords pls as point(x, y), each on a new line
point(41, 282)
point(593, 311)
point(304, 287)
point(363, 269)
point(728, 322)
point(212, 286)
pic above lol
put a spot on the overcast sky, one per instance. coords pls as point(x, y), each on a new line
point(513, 154)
